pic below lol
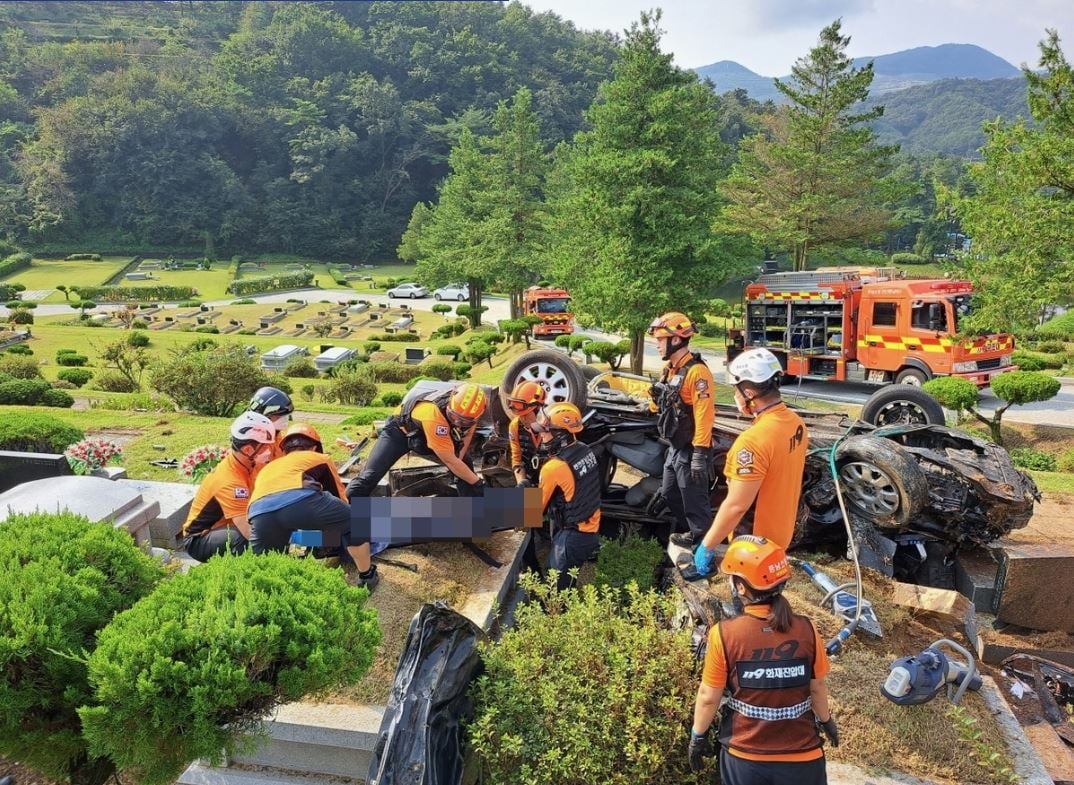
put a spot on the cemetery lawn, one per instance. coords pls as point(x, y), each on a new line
point(47, 274)
point(211, 284)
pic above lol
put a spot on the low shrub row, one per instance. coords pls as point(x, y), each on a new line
point(273, 283)
point(118, 294)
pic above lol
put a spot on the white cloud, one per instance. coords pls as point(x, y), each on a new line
point(779, 15)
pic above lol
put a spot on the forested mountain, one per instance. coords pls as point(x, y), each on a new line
point(303, 127)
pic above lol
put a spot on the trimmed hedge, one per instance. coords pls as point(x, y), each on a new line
point(270, 283)
point(116, 294)
point(14, 263)
point(82, 257)
point(29, 432)
point(397, 337)
point(76, 376)
point(72, 360)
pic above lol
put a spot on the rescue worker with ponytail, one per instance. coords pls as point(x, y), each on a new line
point(773, 664)
point(570, 490)
point(437, 425)
point(302, 490)
point(683, 401)
point(523, 432)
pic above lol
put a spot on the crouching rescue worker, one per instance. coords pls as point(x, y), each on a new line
point(302, 490)
point(773, 664)
point(438, 425)
point(764, 465)
point(218, 520)
point(570, 491)
point(275, 404)
point(685, 411)
point(523, 433)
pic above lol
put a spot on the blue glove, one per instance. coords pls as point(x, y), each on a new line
point(704, 560)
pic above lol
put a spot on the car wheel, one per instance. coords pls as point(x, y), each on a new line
point(912, 376)
point(413, 295)
point(461, 299)
point(880, 481)
point(901, 404)
point(437, 297)
point(391, 295)
point(559, 375)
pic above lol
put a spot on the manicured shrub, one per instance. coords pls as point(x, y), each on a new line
point(21, 317)
point(444, 370)
point(204, 657)
point(138, 339)
point(478, 351)
point(1050, 347)
point(953, 392)
point(300, 368)
point(13, 263)
point(629, 679)
point(72, 360)
point(213, 382)
point(140, 324)
point(208, 328)
point(461, 369)
point(63, 384)
point(563, 341)
point(712, 330)
point(1028, 362)
point(449, 349)
point(82, 257)
point(114, 382)
point(244, 301)
point(394, 373)
point(20, 348)
point(908, 258)
point(272, 283)
point(56, 398)
point(117, 294)
point(19, 367)
point(354, 387)
point(1037, 460)
point(397, 337)
point(371, 346)
point(23, 392)
point(367, 416)
point(30, 432)
point(391, 398)
point(76, 376)
point(605, 351)
point(62, 580)
point(635, 560)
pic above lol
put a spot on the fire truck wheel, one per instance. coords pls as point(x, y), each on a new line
point(880, 481)
point(560, 376)
point(911, 376)
point(902, 404)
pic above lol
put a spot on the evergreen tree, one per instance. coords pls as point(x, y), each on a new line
point(635, 197)
point(814, 177)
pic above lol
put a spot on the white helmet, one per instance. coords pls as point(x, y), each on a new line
point(253, 427)
point(754, 365)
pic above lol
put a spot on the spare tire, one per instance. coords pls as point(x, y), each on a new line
point(560, 376)
point(881, 482)
point(902, 404)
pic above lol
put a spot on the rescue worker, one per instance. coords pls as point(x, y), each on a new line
point(303, 490)
point(275, 404)
point(773, 664)
point(765, 464)
point(570, 490)
point(683, 401)
point(438, 425)
point(523, 433)
point(218, 520)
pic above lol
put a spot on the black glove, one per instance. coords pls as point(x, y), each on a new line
point(699, 749)
point(828, 729)
point(700, 467)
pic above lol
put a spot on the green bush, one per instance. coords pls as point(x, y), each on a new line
point(410, 385)
point(563, 341)
point(634, 560)
point(76, 376)
point(208, 654)
point(908, 258)
point(19, 367)
point(367, 416)
point(208, 328)
point(140, 324)
point(394, 373)
point(1060, 326)
point(300, 368)
point(391, 398)
point(441, 308)
point(244, 301)
point(478, 351)
point(117, 294)
point(397, 337)
point(189, 303)
point(28, 432)
point(72, 360)
point(619, 680)
point(272, 283)
point(246, 331)
point(354, 387)
point(449, 350)
point(606, 352)
point(114, 382)
point(1065, 462)
point(21, 317)
point(371, 346)
point(1022, 387)
point(14, 263)
point(23, 392)
point(1029, 458)
point(1050, 347)
point(138, 339)
point(20, 348)
point(82, 257)
point(953, 392)
point(712, 330)
point(214, 381)
point(1027, 362)
point(444, 370)
point(56, 398)
point(62, 580)
point(461, 369)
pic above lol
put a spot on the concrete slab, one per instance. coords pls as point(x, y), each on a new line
point(846, 774)
point(174, 499)
point(1034, 586)
point(1025, 761)
point(98, 499)
point(200, 774)
point(976, 570)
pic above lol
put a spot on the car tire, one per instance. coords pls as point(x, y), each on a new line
point(902, 404)
point(881, 482)
point(437, 297)
point(558, 374)
point(461, 299)
point(413, 295)
point(914, 377)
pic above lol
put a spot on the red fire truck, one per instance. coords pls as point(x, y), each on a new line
point(554, 308)
point(868, 324)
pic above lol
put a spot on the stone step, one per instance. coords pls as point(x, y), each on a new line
point(198, 774)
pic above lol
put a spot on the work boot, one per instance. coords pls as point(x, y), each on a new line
point(369, 579)
point(684, 540)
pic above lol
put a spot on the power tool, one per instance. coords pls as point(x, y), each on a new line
point(919, 678)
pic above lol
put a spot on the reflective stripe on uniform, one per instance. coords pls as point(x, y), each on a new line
point(768, 713)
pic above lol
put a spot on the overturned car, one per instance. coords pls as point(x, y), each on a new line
point(915, 490)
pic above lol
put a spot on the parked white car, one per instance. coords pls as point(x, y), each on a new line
point(453, 291)
point(411, 290)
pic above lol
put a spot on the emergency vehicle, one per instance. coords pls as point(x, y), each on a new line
point(868, 324)
point(554, 308)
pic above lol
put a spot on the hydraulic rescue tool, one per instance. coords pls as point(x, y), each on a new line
point(919, 679)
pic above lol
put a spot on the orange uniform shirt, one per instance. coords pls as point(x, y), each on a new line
point(223, 495)
point(515, 434)
point(557, 474)
point(772, 451)
point(294, 470)
point(698, 391)
point(435, 427)
point(715, 676)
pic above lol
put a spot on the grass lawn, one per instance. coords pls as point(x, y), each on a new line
point(50, 273)
point(211, 284)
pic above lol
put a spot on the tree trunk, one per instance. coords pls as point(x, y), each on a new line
point(475, 302)
point(516, 304)
point(637, 351)
point(801, 252)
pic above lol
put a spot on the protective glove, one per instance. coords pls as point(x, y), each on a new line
point(524, 484)
point(699, 749)
point(700, 468)
point(828, 729)
point(704, 560)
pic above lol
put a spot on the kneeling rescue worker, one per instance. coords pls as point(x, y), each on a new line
point(773, 664)
point(523, 433)
point(218, 520)
point(685, 413)
point(570, 491)
point(437, 425)
point(302, 490)
point(275, 404)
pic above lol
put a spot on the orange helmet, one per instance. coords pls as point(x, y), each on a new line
point(563, 417)
point(526, 397)
point(671, 324)
point(760, 563)
point(467, 404)
point(303, 430)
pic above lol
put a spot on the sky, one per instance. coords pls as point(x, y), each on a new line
point(767, 36)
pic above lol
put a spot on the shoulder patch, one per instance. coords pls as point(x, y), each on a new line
point(442, 430)
point(242, 493)
point(701, 386)
point(744, 458)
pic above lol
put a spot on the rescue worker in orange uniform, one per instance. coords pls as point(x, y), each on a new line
point(773, 664)
point(218, 521)
point(685, 407)
point(524, 432)
point(438, 425)
point(765, 464)
point(303, 490)
point(275, 404)
point(570, 490)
